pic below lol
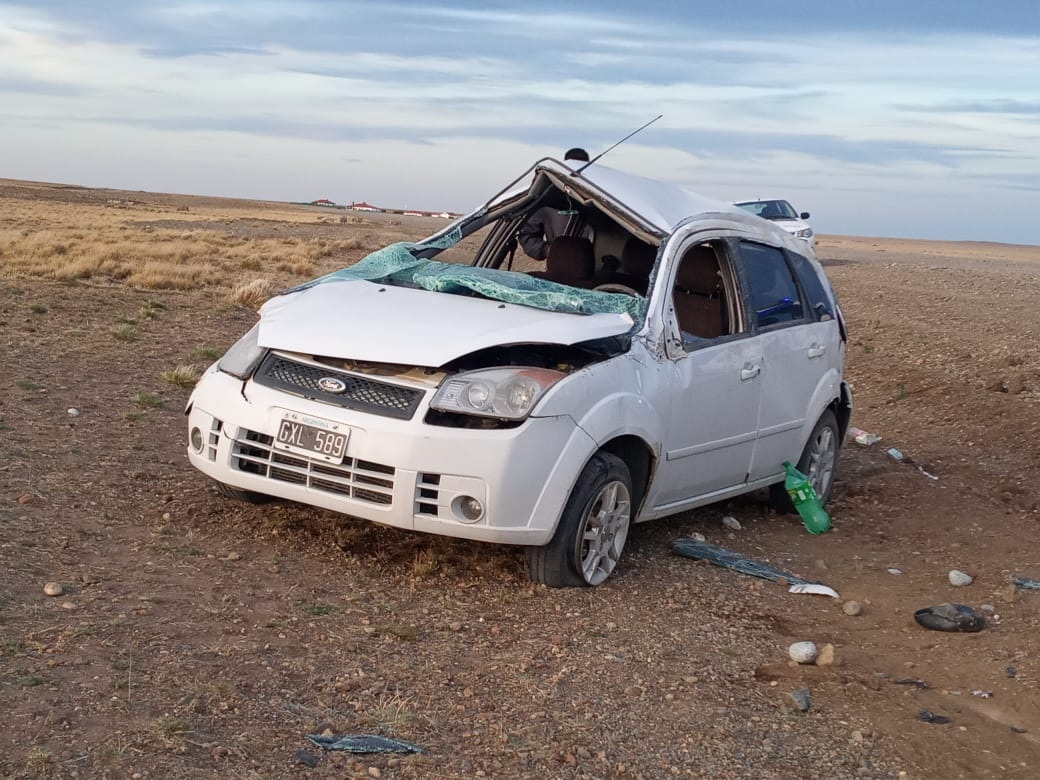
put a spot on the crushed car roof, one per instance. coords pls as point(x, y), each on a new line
point(662, 205)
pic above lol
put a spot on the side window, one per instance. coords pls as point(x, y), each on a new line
point(774, 294)
point(699, 296)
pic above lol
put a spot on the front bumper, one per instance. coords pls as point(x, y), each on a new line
point(402, 473)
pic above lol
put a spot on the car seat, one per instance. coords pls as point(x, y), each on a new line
point(570, 260)
point(697, 294)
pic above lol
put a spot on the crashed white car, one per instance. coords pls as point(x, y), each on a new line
point(671, 352)
point(783, 214)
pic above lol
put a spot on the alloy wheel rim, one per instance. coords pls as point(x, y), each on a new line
point(821, 461)
point(604, 531)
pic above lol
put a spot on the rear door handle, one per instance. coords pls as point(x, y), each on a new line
point(816, 351)
point(749, 372)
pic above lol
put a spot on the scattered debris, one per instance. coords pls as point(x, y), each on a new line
point(731, 523)
point(950, 617)
point(697, 537)
point(803, 652)
point(1019, 730)
point(307, 758)
point(927, 474)
point(53, 589)
point(797, 701)
point(363, 743)
point(73, 412)
point(860, 436)
point(806, 502)
point(913, 683)
point(930, 717)
point(1011, 672)
point(894, 571)
point(1026, 583)
point(959, 579)
point(729, 559)
point(893, 453)
point(983, 694)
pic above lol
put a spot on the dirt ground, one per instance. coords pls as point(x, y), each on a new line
point(198, 637)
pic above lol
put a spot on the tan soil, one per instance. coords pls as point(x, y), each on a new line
point(197, 637)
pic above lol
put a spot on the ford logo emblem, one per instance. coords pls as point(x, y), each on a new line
point(332, 385)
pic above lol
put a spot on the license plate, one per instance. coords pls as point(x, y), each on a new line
point(312, 436)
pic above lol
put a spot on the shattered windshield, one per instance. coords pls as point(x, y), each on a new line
point(398, 265)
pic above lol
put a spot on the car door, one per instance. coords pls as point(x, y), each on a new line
point(715, 384)
point(794, 349)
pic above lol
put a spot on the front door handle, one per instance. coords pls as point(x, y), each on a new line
point(816, 351)
point(749, 372)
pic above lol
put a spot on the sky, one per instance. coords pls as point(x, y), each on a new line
point(916, 119)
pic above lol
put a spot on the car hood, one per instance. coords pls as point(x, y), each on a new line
point(791, 225)
point(361, 320)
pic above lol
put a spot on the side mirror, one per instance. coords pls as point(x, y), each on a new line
point(804, 215)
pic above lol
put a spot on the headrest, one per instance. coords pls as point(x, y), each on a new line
point(699, 271)
point(637, 258)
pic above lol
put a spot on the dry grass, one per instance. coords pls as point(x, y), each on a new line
point(254, 293)
point(182, 376)
point(73, 242)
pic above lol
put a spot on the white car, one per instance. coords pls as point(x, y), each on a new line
point(676, 358)
point(783, 214)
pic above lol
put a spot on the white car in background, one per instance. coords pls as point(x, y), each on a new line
point(675, 358)
point(783, 215)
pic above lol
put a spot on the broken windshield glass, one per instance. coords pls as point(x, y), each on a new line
point(398, 265)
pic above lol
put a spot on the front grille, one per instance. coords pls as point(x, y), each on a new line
point(361, 480)
point(363, 394)
point(427, 494)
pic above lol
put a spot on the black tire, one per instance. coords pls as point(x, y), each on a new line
point(242, 495)
point(592, 530)
point(819, 462)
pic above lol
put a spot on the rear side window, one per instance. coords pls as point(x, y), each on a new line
point(775, 298)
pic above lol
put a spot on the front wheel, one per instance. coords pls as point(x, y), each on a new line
point(592, 531)
point(819, 462)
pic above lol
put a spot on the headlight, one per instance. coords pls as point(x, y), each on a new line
point(804, 233)
point(244, 356)
point(504, 393)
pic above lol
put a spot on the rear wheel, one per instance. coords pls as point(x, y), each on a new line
point(592, 531)
point(819, 462)
point(242, 495)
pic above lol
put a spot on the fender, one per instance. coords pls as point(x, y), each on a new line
point(828, 390)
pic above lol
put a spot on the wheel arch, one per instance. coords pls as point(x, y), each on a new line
point(641, 461)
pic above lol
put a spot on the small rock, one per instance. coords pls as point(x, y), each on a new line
point(454, 626)
point(731, 523)
point(959, 579)
point(73, 412)
point(803, 652)
point(233, 556)
point(826, 655)
point(67, 605)
point(53, 589)
point(894, 571)
point(166, 517)
point(797, 701)
point(583, 753)
point(307, 758)
point(25, 498)
point(856, 737)
point(852, 608)
point(698, 537)
point(987, 608)
point(373, 771)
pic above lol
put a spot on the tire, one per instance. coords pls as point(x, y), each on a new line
point(819, 462)
point(247, 496)
point(592, 530)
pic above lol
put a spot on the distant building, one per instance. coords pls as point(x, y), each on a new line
point(322, 202)
point(362, 206)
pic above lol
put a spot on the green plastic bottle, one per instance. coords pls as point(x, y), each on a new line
point(814, 516)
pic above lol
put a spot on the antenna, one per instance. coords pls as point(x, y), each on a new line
point(638, 129)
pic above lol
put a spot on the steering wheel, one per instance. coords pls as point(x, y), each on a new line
point(612, 287)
